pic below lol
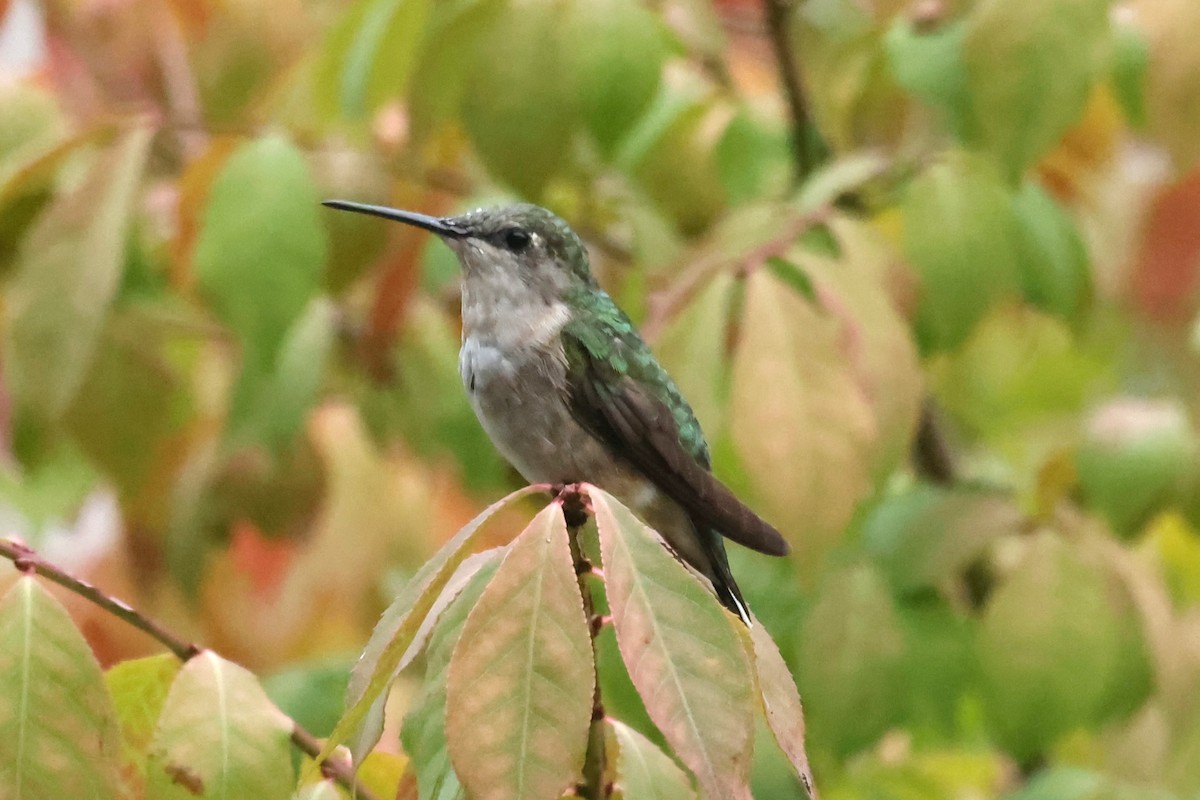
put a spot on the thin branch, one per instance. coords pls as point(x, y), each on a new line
point(931, 453)
point(27, 560)
point(779, 14)
point(575, 510)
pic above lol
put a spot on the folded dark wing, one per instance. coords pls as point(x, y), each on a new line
point(643, 430)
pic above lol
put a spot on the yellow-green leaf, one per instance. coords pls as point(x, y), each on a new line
point(68, 273)
point(684, 656)
point(394, 634)
point(801, 424)
point(139, 688)
point(58, 731)
point(1030, 66)
point(219, 736)
point(643, 771)
point(519, 692)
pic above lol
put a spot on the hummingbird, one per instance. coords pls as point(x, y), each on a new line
point(568, 391)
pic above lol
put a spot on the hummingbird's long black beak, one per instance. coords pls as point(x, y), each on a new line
point(438, 225)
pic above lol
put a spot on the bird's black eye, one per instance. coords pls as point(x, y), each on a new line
point(516, 239)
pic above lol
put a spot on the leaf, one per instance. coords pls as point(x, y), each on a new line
point(850, 660)
point(1055, 270)
point(800, 423)
point(523, 134)
point(618, 48)
point(456, 31)
point(424, 732)
point(1030, 66)
point(931, 65)
point(521, 679)
point(139, 688)
point(683, 653)
point(692, 348)
point(322, 790)
point(369, 56)
point(959, 237)
point(68, 272)
point(372, 727)
point(781, 704)
point(135, 386)
point(58, 732)
point(400, 624)
point(875, 341)
point(927, 536)
point(274, 410)
point(643, 771)
point(1050, 616)
point(219, 736)
point(1172, 91)
point(262, 247)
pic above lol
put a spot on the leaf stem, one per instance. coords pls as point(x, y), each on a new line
point(28, 561)
point(576, 511)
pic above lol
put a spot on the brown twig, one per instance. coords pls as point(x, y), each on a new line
point(27, 560)
point(931, 453)
point(576, 510)
point(778, 14)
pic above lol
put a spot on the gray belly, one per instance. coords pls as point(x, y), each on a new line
point(519, 398)
point(520, 401)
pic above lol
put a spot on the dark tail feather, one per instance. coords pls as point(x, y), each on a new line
point(726, 587)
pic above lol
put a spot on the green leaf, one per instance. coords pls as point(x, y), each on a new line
point(693, 346)
point(671, 154)
point(372, 728)
point(1030, 68)
point(134, 386)
point(643, 771)
point(617, 48)
point(1052, 614)
point(801, 424)
point(519, 691)
point(1128, 64)
point(1054, 266)
point(311, 692)
point(424, 732)
point(395, 633)
point(58, 732)
point(931, 65)
point(262, 247)
point(272, 409)
point(926, 537)
point(455, 33)
point(521, 106)
point(683, 653)
point(850, 659)
point(69, 269)
point(959, 236)
point(753, 158)
point(368, 58)
point(219, 736)
point(781, 704)
point(139, 688)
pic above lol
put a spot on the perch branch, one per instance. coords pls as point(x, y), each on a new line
point(27, 560)
point(575, 511)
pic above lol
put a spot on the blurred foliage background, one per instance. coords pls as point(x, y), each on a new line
point(945, 337)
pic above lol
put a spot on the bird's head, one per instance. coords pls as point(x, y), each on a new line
point(521, 243)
